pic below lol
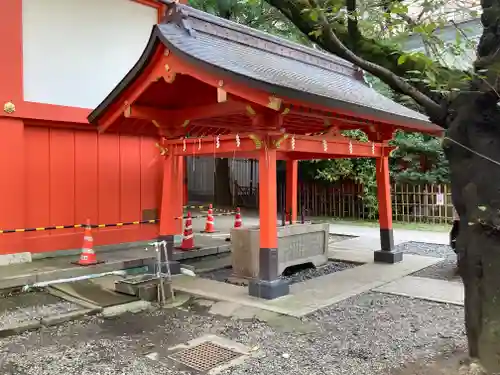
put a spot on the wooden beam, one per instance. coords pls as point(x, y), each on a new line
point(152, 73)
point(334, 146)
point(181, 116)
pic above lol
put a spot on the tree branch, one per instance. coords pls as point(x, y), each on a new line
point(433, 109)
point(375, 51)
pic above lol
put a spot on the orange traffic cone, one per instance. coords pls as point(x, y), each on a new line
point(209, 224)
point(188, 236)
point(87, 256)
point(237, 219)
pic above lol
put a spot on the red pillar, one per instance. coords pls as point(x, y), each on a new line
point(387, 253)
point(291, 188)
point(177, 198)
point(168, 212)
point(185, 196)
point(12, 207)
point(269, 285)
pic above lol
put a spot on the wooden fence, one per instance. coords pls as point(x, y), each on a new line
point(410, 203)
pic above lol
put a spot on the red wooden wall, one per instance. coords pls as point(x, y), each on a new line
point(71, 175)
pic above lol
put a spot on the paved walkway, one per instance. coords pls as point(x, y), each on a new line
point(400, 235)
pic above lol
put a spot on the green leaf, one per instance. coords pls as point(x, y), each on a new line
point(402, 59)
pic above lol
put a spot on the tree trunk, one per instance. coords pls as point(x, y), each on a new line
point(222, 183)
point(474, 139)
point(473, 150)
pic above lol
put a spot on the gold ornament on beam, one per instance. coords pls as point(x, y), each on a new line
point(250, 110)
point(9, 107)
point(274, 103)
point(162, 149)
point(155, 123)
point(221, 93)
point(278, 142)
point(256, 140)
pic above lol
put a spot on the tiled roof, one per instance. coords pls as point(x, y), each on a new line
point(280, 67)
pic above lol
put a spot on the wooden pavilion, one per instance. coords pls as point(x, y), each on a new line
point(208, 86)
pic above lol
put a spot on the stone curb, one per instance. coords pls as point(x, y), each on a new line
point(65, 317)
point(213, 250)
point(17, 328)
point(34, 324)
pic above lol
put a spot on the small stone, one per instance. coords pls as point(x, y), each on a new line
point(153, 356)
point(285, 355)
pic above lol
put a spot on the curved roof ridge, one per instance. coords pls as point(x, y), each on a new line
point(202, 22)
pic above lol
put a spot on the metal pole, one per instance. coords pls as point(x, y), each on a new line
point(160, 290)
point(169, 273)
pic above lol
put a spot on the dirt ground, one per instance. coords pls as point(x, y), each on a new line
point(444, 365)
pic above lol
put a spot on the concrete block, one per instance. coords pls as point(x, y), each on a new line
point(297, 244)
point(17, 258)
point(133, 307)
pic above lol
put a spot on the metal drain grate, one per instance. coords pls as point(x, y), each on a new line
point(205, 356)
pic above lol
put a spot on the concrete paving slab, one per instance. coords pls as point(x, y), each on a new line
point(443, 291)
point(400, 235)
point(353, 256)
point(311, 295)
point(93, 293)
point(224, 308)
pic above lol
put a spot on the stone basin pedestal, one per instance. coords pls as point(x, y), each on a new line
point(297, 244)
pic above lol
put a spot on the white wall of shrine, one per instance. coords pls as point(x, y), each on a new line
point(76, 51)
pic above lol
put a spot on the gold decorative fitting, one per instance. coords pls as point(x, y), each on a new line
point(167, 52)
point(9, 108)
point(155, 123)
point(221, 83)
point(250, 110)
point(278, 142)
point(256, 140)
point(274, 103)
point(127, 112)
point(221, 95)
point(185, 123)
point(170, 78)
point(167, 68)
point(286, 111)
point(163, 150)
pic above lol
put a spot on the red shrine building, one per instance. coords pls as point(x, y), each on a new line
point(194, 84)
point(60, 59)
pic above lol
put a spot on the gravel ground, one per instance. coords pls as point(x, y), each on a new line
point(444, 270)
point(366, 335)
point(297, 275)
point(28, 306)
point(301, 274)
